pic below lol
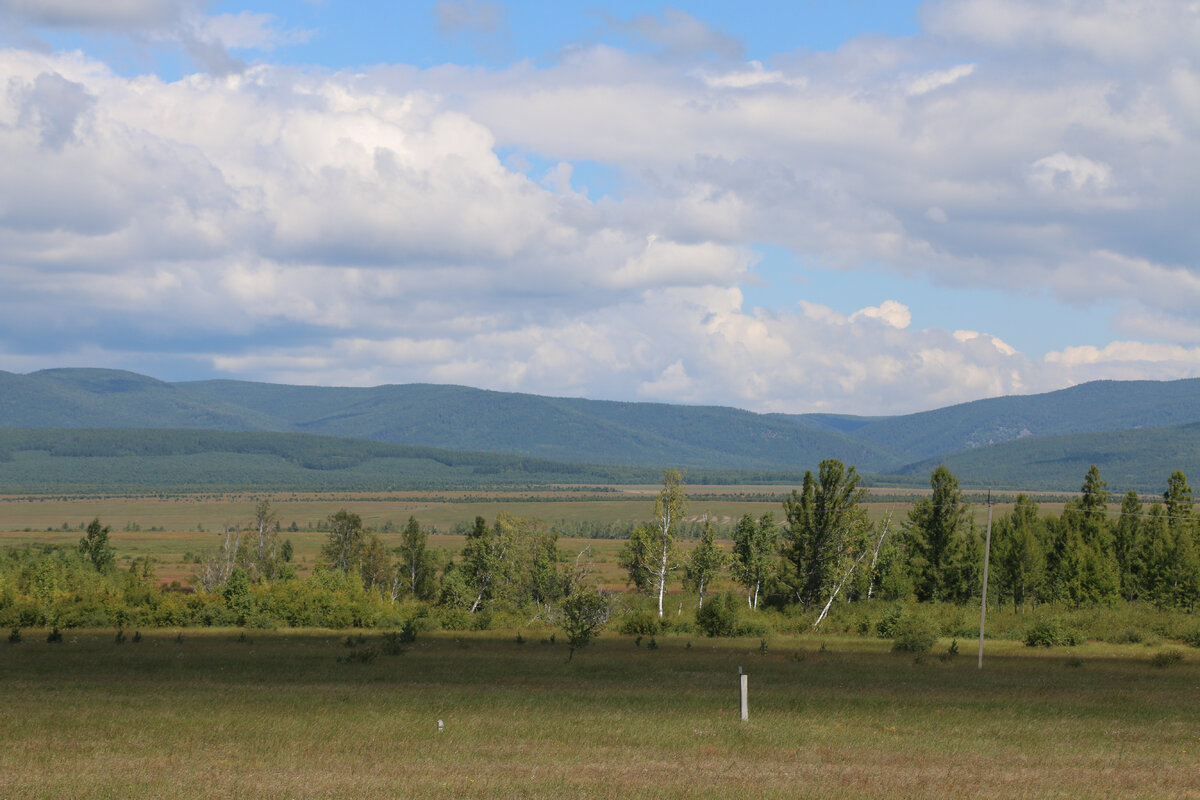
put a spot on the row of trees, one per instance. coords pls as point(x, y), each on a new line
point(826, 548)
point(823, 550)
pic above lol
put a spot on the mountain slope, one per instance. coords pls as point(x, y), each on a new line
point(1090, 407)
point(1140, 459)
point(652, 435)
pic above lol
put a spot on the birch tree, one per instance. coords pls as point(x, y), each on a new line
point(416, 566)
point(754, 545)
point(705, 563)
point(669, 508)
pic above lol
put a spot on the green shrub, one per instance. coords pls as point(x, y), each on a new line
point(914, 633)
point(1127, 636)
point(1192, 638)
point(719, 616)
point(454, 619)
point(392, 643)
point(886, 626)
point(1166, 658)
point(1051, 633)
point(755, 627)
point(642, 623)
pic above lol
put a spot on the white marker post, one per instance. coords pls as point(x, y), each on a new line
point(744, 680)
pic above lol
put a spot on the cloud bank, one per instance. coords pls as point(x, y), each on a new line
point(359, 228)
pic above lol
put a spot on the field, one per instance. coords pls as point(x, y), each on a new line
point(288, 715)
point(170, 528)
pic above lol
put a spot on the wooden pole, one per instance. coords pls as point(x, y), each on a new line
point(745, 700)
point(987, 552)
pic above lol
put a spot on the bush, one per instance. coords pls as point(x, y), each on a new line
point(1051, 633)
point(757, 628)
point(1127, 636)
point(719, 617)
point(1192, 638)
point(392, 643)
point(454, 619)
point(1166, 658)
point(642, 623)
point(886, 627)
point(914, 633)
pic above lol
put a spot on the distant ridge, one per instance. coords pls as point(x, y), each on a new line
point(985, 441)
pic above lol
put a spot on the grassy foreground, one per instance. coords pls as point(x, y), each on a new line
point(286, 715)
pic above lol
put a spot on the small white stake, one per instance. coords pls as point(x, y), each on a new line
point(440, 726)
point(745, 700)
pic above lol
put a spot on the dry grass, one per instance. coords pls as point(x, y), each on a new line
point(281, 717)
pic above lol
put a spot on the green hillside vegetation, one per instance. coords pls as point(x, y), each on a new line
point(1015, 442)
point(1100, 406)
point(51, 460)
point(1130, 459)
point(568, 429)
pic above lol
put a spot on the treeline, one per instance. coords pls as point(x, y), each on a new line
point(821, 554)
point(826, 550)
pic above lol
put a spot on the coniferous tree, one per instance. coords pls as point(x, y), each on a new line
point(827, 528)
point(1126, 543)
point(938, 541)
point(1185, 560)
point(1019, 561)
point(1156, 553)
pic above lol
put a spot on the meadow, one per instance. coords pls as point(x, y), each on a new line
point(171, 527)
point(300, 714)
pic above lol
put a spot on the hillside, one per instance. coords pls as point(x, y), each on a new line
point(90, 460)
point(1035, 441)
point(451, 417)
point(1094, 407)
point(1140, 459)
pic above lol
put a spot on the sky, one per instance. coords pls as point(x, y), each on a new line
point(853, 207)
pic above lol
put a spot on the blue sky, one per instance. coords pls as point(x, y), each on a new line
point(857, 206)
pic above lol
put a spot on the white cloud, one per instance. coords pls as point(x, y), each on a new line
point(1063, 172)
point(361, 228)
point(890, 312)
point(939, 78)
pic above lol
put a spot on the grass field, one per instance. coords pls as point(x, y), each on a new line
point(281, 716)
point(192, 524)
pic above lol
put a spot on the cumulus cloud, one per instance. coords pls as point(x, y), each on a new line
point(312, 227)
point(890, 312)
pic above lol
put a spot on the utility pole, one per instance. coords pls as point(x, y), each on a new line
point(987, 552)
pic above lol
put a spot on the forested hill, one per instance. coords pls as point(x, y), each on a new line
point(653, 435)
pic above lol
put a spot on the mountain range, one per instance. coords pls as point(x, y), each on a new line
point(1136, 431)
